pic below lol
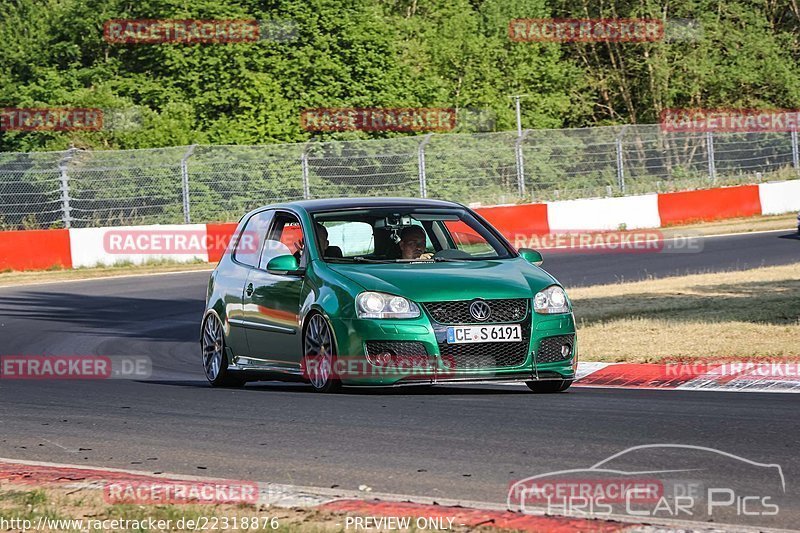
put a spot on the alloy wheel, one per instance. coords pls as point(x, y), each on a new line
point(215, 361)
point(319, 355)
point(212, 347)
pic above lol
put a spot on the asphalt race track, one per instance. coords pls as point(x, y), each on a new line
point(462, 442)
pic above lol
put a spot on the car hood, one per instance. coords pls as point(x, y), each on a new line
point(428, 282)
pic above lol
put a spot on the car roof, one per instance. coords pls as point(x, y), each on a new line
point(353, 203)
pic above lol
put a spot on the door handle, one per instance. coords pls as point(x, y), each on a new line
point(249, 289)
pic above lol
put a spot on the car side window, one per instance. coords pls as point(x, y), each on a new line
point(284, 237)
point(248, 246)
point(350, 237)
point(468, 239)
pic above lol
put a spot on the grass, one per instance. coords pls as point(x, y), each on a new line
point(26, 505)
point(62, 504)
point(730, 315)
point(88, 504)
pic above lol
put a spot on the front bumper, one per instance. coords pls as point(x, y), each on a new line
point(355, 368)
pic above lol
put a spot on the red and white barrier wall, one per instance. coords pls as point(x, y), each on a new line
point(92, 246)
point(780, 197)
point(35, 249)
point(88, 247)
point(628, 212)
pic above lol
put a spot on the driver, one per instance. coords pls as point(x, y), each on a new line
point(412, 243)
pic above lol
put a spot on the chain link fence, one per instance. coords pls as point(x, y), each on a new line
point(77, 188)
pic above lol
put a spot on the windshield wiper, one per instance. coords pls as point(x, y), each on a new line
point(357, 259)
point(362, 259)
point(431, 259)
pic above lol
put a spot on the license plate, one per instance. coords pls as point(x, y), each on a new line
point(497, 333)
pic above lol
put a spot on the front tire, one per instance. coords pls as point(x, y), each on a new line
point(215, 360)
point(549, 387)
point(320, 355)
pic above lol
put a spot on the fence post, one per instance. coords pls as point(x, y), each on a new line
point(187, 218)
point(620, 164)
point(520, 163)
point(712, 168)
point(304, 168)
point(795, 152)
point(423, 175)
point(66, 214)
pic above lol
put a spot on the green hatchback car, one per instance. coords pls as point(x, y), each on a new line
point(383, 292)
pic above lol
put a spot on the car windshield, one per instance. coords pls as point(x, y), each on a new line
point(394, 234)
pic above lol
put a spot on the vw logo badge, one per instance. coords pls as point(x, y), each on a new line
point(480, 310)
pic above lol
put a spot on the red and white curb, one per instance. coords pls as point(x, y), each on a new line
point(452, 513)
point(733, 376)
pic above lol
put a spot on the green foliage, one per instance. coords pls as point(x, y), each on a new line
point(453, 53)
point(372, 53)
point(450, 53)
point(737, 53)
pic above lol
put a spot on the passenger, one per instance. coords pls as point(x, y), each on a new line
point(322, 237)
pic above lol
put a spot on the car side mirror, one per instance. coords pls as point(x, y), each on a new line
point(531, 256)
point(283, 264)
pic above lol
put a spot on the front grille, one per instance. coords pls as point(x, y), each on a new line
point(550, 348)
point(457, 312)
point(481, 355)
point(484, 354)
point(401, 348)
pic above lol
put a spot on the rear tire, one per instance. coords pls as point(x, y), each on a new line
point(215, 360)
point(549, 387)
point(319, 360)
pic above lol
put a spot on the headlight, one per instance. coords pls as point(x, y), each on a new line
point(380, 305)
point(551, 301)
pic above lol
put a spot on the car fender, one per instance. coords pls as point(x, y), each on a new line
point(214, 312)
point(328, 295)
